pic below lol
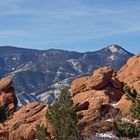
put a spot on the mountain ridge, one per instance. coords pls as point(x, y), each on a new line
point(39, 74)
point(53, 49)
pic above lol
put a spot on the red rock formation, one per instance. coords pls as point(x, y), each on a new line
point(130, 73)
point(24, 121)
point(79, 85)
point(124, 105)
point(93, 92)
point(103, 88)
point(89, 104)
point(103, 80)
point(7, 93)
point(100, 78)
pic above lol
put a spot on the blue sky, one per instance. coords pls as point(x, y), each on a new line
point(79, 25)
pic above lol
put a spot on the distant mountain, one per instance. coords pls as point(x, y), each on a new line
point(39, 74)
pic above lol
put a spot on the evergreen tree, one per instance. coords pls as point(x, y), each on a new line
point(62, 115)
point(131, 93)
point(3, 112)
point(126, 129)
point(41, 133)
point(135, 109)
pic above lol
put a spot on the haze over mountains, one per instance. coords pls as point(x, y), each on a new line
point(39, 74)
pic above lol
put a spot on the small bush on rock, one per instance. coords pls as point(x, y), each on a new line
point(4, 112)
point(130, 129)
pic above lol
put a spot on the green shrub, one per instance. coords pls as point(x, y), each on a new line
point(41, 133)
point(126, 129)
point(63, 117)
point(130, 93)
point(135, 109)
point(4, 112)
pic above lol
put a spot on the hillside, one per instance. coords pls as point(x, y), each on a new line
point(39, 74)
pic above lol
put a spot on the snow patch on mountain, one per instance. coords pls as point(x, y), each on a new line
point(14, 58)
point(58, 73)
point(75, 64)
point(121, 51)
point(21, 69)
point(51, 95)
point(112, 57)
point(113, 49)
point(24, 99)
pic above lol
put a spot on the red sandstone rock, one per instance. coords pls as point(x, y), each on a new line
point(79, 85)
point(24, 121)
point(116, 83)
point(95, 92)
point(114, 94)
point(92, 100)
point(124, 105)
point(130, 73)
point(8, 94)
point(100, 78)
point(5, 84)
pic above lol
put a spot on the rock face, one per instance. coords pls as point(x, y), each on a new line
point(100, 96)
point(95, 95)
point(24, 121)
point(79, 85)
point(100, 78)
point(7, 94)
point(89, 103)
point(130, 73)
point(124, 105)
point(103, 80)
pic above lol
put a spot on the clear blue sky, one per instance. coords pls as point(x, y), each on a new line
point(80, 25)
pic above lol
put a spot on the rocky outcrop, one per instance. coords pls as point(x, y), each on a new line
point(21, 124)
point(7, 94)
point(24, 121)
point(124, 105)
point(95, 95)
point(103, 80)
point(79, 85)
point(100, 78)
point(103, 90)
point(89, 103)
point(130, 73)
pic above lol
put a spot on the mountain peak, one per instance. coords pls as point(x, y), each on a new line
point(116, 49)
point(113, 48)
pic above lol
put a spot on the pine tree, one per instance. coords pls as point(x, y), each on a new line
point(131, 93)
point(42, 133)
point(126, 129)
point(135, 109)
point(62, 115)
point(4, 112)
